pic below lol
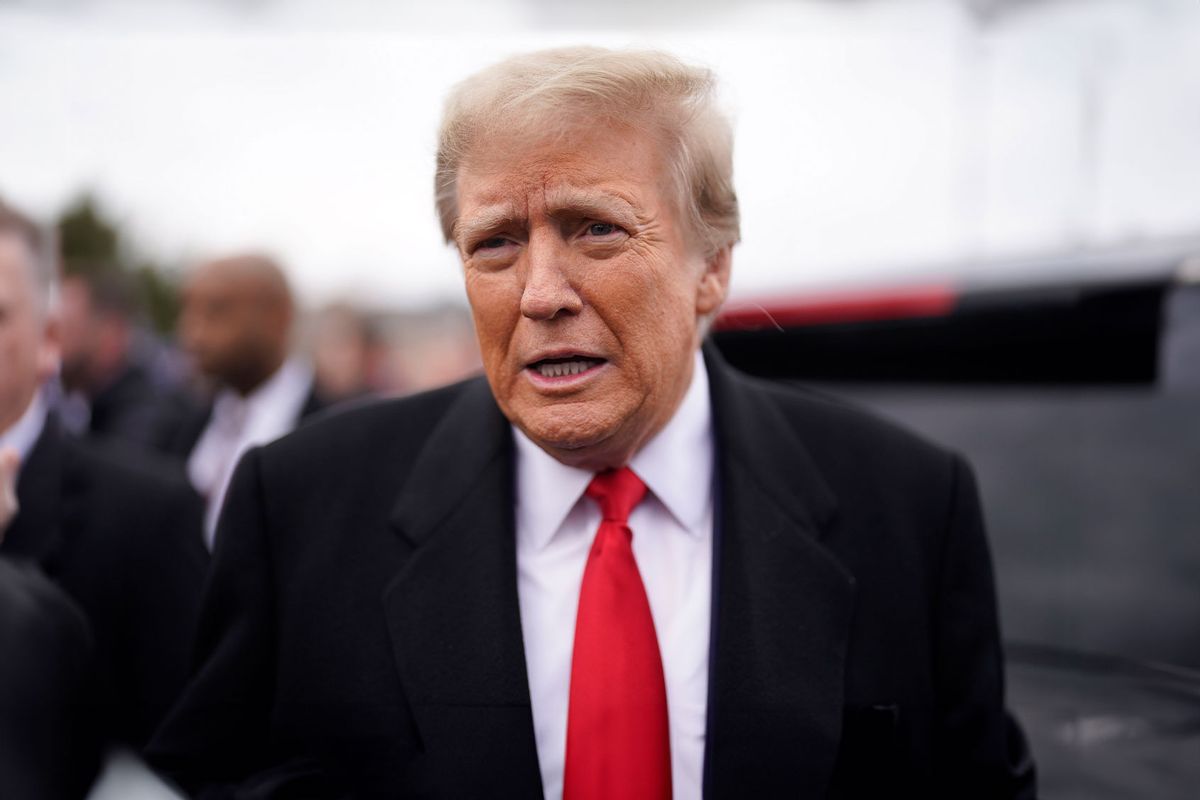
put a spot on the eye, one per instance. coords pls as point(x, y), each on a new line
point(601, 229)
point(491, 243)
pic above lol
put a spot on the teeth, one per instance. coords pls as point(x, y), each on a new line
point(563, 369)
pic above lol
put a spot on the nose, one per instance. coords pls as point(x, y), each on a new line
point(548, 291)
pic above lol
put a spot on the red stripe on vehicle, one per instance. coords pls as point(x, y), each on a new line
point(924, 301)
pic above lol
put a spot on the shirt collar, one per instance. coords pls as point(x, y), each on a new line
point(24, 433)
point(285, 388)
point(673, 464)
point(547, 490)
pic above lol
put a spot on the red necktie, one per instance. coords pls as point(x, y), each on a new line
point(618, 743)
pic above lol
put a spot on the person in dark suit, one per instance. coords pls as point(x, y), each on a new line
point(47, 749)
point(615, 567)
point(119, 533)
point(236, 324)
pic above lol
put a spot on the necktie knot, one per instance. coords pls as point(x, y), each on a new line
point(617, 492)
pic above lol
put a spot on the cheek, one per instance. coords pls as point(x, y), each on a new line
point(654, 311)
point(495, 307)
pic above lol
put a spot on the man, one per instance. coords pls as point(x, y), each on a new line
point(616, 568)
point(99, 365)
point(236, 324)
point(120, 534)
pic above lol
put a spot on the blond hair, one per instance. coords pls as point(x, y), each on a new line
point(554, 90)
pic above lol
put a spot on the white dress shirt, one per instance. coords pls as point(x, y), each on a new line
point(23, 434)
point(239, 423)
point(672, 543)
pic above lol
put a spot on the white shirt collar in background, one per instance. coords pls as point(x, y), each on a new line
point(239, 423)
point(273, 408)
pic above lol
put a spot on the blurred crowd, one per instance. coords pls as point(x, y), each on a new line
point(116, 449)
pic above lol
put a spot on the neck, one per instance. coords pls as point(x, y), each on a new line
point(248, 383)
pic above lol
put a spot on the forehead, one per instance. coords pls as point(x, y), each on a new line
point(212, 279)
point(580, 168)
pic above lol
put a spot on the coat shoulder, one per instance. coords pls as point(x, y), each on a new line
point(845, 438)
point(114, 468)
point(367, 433)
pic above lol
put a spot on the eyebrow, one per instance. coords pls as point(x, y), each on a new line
point(485, 219)
point(591, 202)
point(559, 201)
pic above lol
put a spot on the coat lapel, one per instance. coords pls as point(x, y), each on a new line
point(782, 606)
point(452, 609)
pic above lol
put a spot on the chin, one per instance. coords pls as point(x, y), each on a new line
point(585, 438)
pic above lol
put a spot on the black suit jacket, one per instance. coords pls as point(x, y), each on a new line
point(47, 748)
point(361, 630)
point(121, 534)
point(131, 408)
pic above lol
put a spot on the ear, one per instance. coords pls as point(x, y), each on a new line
point(714, 282)
point(49, 356)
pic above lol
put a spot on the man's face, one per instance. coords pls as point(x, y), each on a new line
point(221, 325)
point(28, 346)
point(585, 287)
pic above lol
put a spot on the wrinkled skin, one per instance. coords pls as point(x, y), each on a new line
point(573, 246)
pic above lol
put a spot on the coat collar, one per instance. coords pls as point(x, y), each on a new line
point(782, 604)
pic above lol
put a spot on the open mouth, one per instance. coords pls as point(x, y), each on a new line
point(565, 367)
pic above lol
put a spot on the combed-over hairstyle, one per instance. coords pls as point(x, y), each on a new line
point(15, 223)
point(551, 91)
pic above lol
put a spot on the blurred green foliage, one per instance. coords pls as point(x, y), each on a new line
point(91, 243)
point(87, 239)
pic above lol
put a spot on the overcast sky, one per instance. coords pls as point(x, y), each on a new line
point(876, 141)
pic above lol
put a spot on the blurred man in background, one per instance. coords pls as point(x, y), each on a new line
point(118, 531)
point(347, 353)
point(236, 324)
point(100, 369)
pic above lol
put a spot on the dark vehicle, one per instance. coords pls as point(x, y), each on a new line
point(1078, 402)
point(1104, 727)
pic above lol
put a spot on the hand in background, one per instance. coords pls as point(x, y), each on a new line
point(9, 461)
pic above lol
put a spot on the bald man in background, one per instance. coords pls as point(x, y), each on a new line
point(236, 324)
